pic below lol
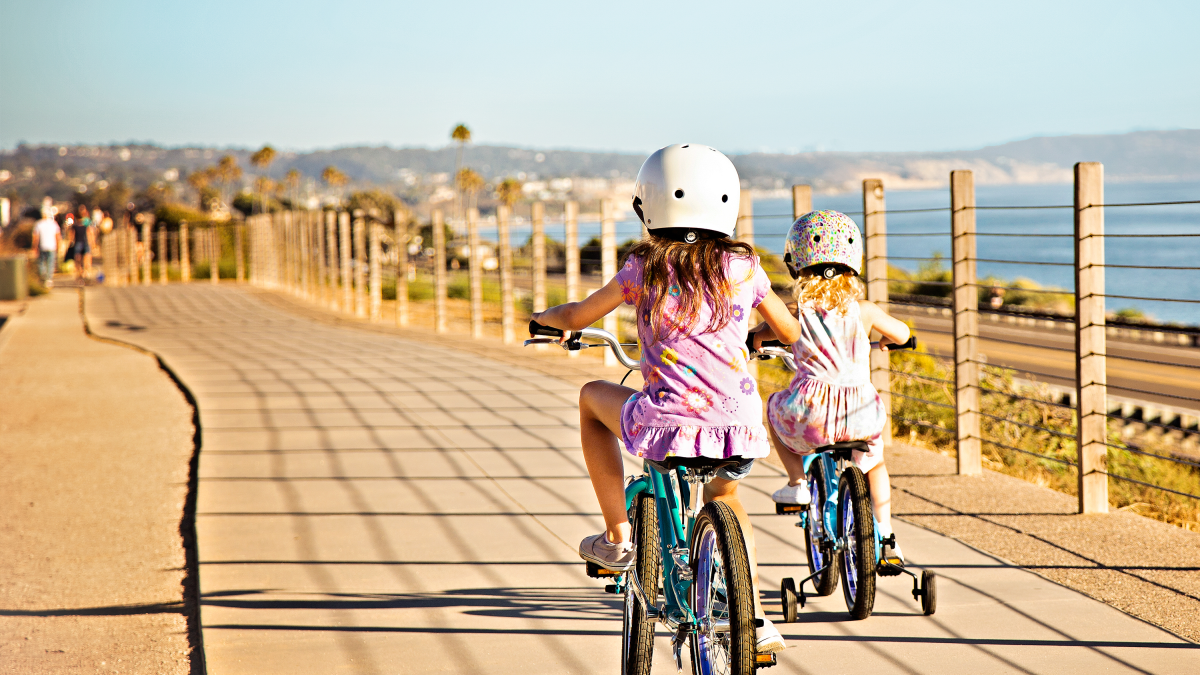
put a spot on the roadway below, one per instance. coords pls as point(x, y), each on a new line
point(370, 502)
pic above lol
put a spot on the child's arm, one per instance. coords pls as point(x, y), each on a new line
point(894, 331)
point(580, 315)
point(780, 323)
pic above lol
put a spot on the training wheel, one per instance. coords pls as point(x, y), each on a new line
point(928, 592)
point(787, 594)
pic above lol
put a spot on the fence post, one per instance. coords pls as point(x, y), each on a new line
point(537, 218)
point(571, 243)
point(875, 251)
point(801, 201)
point(163, 263)
point(438, 229)
point(475, 272)
point(966, 324)
point(400, 240)
point(331, 259)
point(131, 263)
point(608, 266)
point(304, 239)
point(507, 318)
point(1090, 378)
point(185, 253)
point(320, 294)
point(360, 259)
point(214, 253)
point(376, 282)
point(344, 258)
point(239, 252)
point(745, 222)
point(147, 248)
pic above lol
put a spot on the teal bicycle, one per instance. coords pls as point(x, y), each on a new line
point(841, 537)
point(693, 556)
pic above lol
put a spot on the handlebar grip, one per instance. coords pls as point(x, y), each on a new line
point(536, 328)
point(774, 343)
point(911, 344)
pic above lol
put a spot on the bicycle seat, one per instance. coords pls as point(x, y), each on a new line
point(845, 449)
point(697, 464)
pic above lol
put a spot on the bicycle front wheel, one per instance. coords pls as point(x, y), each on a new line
point(722, 595)
point(856, 526)
point(637, 634)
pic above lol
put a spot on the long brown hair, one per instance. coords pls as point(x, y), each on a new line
point(699, 271)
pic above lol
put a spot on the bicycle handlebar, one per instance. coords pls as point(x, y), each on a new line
point(572, 341)
point(774, 349)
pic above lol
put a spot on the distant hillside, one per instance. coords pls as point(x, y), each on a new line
point(1138, 156)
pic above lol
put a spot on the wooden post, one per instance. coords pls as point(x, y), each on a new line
point(745, 221)
point(360, 265)
point(239, 251)
point(1090, 378)
point(571, 243)
point(322, 292)
point(185, 255)
point(344, 251)
point(966, 323)
point(163, 263)
point(475, 272)
point(875, 251)
point(400, 238)
point(332, 260)
point(214, 253)
point(439, 271)
point(608, 267)
point(801, 201)
point(507, 318)
point(147, 248)
point(376, 267)
point(537, 218)
point(131, 265)
point(303, 253)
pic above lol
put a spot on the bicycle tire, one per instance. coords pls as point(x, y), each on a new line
point(637, 632)
point(827, 582)
point(856, 527)
point(719, 561)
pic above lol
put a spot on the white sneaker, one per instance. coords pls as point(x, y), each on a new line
point(769, 639)
point(793, 494)
point(616, 557)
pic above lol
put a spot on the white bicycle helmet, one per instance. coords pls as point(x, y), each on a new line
point(685, 188)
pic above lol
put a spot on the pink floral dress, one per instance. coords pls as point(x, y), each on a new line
point(699, 399)
point(831, 399)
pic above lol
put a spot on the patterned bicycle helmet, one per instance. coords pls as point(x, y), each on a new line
point(823, 238)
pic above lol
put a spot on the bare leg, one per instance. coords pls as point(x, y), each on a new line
point(793, 463)
point(881, 496)
point(87, 265)
point(599, 426)
point(722, 490)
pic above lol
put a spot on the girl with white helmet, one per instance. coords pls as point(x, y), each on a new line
point(831, 399)
point(693, 288)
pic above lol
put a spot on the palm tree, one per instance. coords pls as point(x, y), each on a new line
point(200, 180)
point(292, 180)
point(461, 135)
point(264, 185)
point(334, 178)
point(468, 182)
point(509, 191)
point(227, 172)
point(262, 160)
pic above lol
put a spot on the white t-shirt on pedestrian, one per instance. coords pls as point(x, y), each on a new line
point(47, 232)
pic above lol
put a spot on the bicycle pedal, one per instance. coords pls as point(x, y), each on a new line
point(887, 569)
point(597, 572)
point(784, 509)
point(765, 660)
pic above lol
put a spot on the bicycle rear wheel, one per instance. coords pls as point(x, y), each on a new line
point(722, 600)
point(826, 582)
point(856, 526)
point(637, 632)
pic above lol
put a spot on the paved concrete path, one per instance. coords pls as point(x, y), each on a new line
point(372, 504)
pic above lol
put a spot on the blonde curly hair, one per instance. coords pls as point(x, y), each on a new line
point(831, 295)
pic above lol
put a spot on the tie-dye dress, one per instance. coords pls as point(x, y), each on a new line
point(699, 399)
point(831, 399)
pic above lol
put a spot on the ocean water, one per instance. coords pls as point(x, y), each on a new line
point(772, 218)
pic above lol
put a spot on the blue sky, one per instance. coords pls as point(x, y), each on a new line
point(745, 76)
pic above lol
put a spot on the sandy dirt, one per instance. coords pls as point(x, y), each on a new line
point(95, 444)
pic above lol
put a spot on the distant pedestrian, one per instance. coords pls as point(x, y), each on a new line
point(46, 238)
point(82, 237)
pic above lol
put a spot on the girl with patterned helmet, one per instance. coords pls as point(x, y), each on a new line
point(831, 399)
